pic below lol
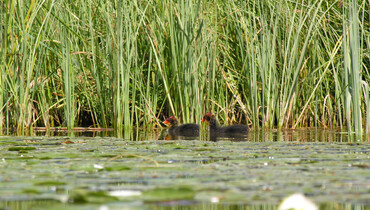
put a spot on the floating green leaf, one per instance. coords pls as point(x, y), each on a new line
point(20, 148)
point(86, 196)
point(167, 194)
point(50, 183)
point(117, 168)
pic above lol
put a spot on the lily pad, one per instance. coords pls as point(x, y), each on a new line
point(50, 183)
point(169, 193)
point(86, 196)
point(117, 168)
point(20, 148)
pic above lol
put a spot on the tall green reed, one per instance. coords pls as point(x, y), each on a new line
point(107, 63)
point(23, 82)
point(273, 74)
point(186, 52)
point(5, 12)
point(355, 87)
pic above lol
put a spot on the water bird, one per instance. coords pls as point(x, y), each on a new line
point(187, 130)
point(232, 130)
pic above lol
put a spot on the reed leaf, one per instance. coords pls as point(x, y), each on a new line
point(268, 64)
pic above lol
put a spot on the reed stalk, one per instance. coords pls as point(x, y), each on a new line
point(68, 78)
point(352, 70)
point(269, 64)
point(5, 16)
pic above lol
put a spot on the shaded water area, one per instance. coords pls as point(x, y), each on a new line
point(146, 170)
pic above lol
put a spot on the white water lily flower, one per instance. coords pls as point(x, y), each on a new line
point(124, 193)
point(215, 199)
point(297, 201)
point(97, 166)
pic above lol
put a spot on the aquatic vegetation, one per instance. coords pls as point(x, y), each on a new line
point(269, 64)
point(106, 170)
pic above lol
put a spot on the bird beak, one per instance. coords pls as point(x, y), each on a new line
point(166, 122)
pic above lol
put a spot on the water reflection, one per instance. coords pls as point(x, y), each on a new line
point(173, 137)
point(144, 134)
point(88, 132)
point(301, 135)
point(228, 137)
point(173, 205)
point(206, 136)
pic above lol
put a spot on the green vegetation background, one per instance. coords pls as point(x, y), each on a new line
point(266, 63)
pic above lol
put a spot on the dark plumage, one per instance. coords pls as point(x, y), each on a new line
point(188, 130)
point(232, 130)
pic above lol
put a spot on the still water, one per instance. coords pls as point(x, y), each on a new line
point(151, 170)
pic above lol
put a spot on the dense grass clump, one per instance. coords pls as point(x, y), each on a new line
point(270, 63)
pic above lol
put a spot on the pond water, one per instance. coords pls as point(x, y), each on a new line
point(142, 170)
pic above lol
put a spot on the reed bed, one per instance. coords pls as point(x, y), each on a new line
point(269, 64)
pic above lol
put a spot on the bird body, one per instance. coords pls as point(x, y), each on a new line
point(231, 130)
point(188, 130)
